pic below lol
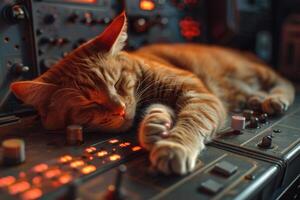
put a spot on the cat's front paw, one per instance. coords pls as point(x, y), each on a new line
point(170, 157)
point(275, 104)
point(155, 125)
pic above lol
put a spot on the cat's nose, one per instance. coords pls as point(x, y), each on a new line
point(120, 109)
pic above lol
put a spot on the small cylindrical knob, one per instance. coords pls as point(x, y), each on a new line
point(266, 142)
point(238, 122)
point(74, 135)
point(19, 68)
point(263, 118)
point(248, 114)
point(13, 151)
point(14, 13)
point(254, 122)
point(115, 192)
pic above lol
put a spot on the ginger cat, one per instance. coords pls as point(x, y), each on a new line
point(187, 90)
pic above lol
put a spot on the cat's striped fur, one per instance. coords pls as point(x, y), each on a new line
point(188, 89)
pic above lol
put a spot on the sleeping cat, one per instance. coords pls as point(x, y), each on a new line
point(187, 89)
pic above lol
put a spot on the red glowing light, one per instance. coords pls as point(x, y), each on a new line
point(40, 168)
point(19, 187)
point(189, 28)
point(114, 157)
point(136, 148)
point(102, 153)
point(65, 159)
point(52, 173)
point(147, 5)
point(66, 178)
point(113, 141)
point(76, 164)
point(34, 193)
point(90, 149)
point(88, 169)
point(124, 144)
point(7, 181)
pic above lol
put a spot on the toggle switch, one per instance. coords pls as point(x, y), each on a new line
point(115, 192)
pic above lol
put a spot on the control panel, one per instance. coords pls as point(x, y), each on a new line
point(255, 157)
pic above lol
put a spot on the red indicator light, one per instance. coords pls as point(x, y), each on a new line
point(19, 187)
point(113, 141)
point(76, 164)
point(189, 28)
point(114, 157)
point(7, 181)
point(52, 173)
point(37, 180)
point(65, 159)
point(88, 169)
point(147, 5)
point(102, 153)
point(31, 194)
point(40, 168)
point(90, 149)
point(66, 178)
point(125, 144)
point(136, 148)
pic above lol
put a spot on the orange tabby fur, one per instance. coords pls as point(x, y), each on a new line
point(187, 89)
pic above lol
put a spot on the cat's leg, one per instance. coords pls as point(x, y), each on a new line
point(200, 115)
point(280, 92)
point(156, 124)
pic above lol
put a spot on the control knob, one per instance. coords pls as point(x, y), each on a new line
point(266, 142)
point(238, 123)
point(14, 13)
point(74, 135)
point(19, 68)
point(254, 122)
point(263, 118)
point(248, 114)
point(13, 151)
point(49, 19)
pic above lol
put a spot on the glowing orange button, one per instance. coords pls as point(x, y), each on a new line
point(19, 187)
point(66, 178)
point(102, 153)
point(147, 4)
point(136, 148)
point(77, 163)
point(114, 157)
point(65, 159)
point(88, 169)
point(40, 168)
point(113, 141)
point(90, 149)
point(52, 173)
point(31, 194)
point(124, 144)
point(7, 181)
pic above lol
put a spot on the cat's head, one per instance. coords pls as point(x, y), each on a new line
point(93, 86)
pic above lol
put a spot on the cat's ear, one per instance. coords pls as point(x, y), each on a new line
point(111, 41)
point(36, 94)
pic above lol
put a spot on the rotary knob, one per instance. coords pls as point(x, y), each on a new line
point(266, 142)
point(19, 68)
point(238, 123)
point(74, 135)
point(248, 114)
point(13, 151)
point(254, 122)
point(72, 18)
point(49, 19)
point(14, 13)
point(263, 118)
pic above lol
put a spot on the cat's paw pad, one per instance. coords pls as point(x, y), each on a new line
point(155, 126)
point(275, 104)
point(170, 157)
